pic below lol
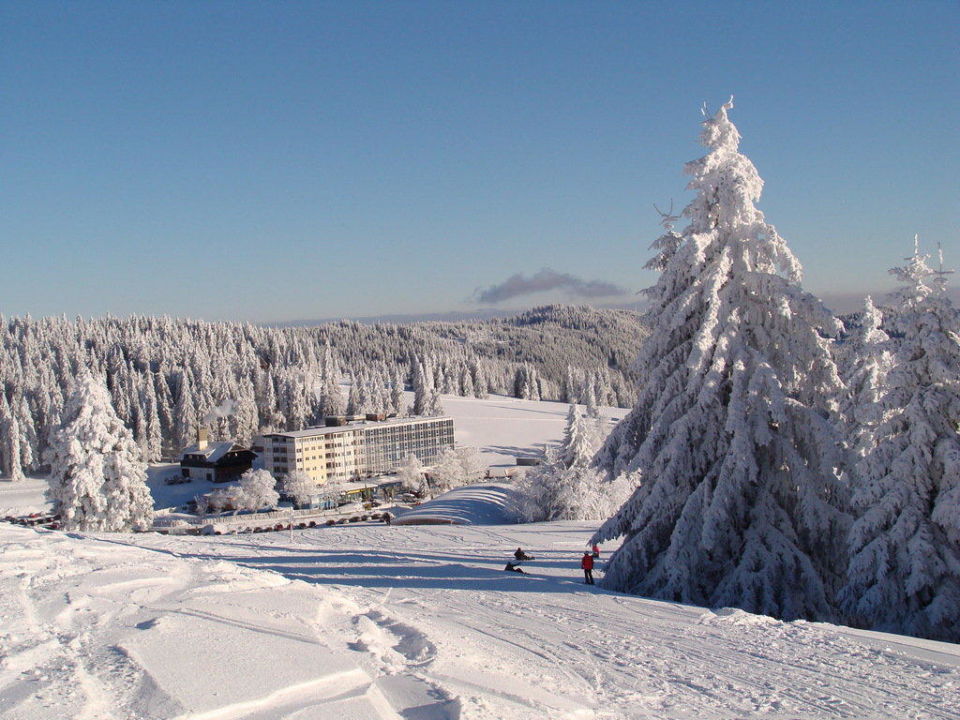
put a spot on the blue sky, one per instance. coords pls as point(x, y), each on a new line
point(280, 161)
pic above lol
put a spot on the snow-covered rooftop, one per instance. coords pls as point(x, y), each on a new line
point(329, 430)
point(212, 452)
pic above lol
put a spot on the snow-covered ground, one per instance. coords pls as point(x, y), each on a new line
point(23, 497)
point(417, 622)
point(506, 428)
point(370, 621)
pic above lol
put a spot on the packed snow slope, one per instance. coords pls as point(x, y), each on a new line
point(23, 497)
point(505, 428)
point(421, 622)
point(481, 504)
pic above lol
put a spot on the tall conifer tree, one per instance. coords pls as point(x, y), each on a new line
point(738, 501)
point(904, 572)
point(97, 477)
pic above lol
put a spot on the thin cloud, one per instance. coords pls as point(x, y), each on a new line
point(546, 279)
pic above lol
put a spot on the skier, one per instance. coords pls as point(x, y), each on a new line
point(586, 562)
point(512, 567)
point(596, 551)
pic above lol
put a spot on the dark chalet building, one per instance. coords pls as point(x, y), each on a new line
point(216, 462)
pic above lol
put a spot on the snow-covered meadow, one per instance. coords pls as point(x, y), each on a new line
point(370, 621)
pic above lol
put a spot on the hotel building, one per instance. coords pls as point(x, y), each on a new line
point(340, 453)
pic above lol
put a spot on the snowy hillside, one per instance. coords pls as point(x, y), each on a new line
point(415, 622)
point(505, 428)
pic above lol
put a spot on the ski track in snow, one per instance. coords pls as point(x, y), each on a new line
point(447, 634)
point(96, 628)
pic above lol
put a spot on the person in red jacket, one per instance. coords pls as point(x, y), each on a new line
point(586, 562)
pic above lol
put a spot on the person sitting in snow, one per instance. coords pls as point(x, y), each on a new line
point(520, 555)
point(512, 567)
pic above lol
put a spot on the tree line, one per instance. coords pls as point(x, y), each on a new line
point(167, 377)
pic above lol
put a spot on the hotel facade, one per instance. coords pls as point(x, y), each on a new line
point(341, 453)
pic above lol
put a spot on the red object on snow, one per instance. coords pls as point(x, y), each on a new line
point(586, 562)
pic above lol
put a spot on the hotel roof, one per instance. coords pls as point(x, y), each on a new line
point(358, 425)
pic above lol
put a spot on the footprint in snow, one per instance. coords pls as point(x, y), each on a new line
point(397, 645)
point(401, 651)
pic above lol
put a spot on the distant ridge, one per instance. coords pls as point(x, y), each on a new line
point(453, 316)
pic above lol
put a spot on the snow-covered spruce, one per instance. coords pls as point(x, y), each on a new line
point(871, 356)
point(904, 572)
point(564, 486)
point(731, 441)
point(11, 442)
point(97, 477)
point(426, 395)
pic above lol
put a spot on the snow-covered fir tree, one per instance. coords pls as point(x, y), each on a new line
point(434, 405)
point(736, 457)
point(867, 371)
point(29, 437)
point(331, 394)
point(904, 571)
point(353, 398)
point(185, 414)
point(152, 441)
point(590, 397)
point(421, 386)
point(396, 392)
point(564, 486)
point(527, 383)
point(582, 436)
point(10, 442)
point(602, 389)
point(297, 401)
point(480, 383)
point(571, 388)
point(246, 416)
point(97, 478)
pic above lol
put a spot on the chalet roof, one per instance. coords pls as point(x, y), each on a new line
point(212, 452)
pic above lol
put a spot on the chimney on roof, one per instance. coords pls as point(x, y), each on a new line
point(202, 436)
